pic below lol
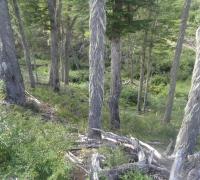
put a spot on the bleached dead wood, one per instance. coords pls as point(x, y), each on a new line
point(95, 166)
point(169, 147)
point(195, 158)
point(138, 166)
point(136, 145)
point(146, 158)
point(177, 167)
point(75, 160)
point(147, 155)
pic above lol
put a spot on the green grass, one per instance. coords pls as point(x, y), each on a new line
point(31, 148)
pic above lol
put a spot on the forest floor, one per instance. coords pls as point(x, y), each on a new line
point(34, 144)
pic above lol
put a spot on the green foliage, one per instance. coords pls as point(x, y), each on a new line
point(114, 156)
point(71, 104)
point(2, 90)
point(147, 127)
point(159, 79)
point(135, 176)
point(32, 148)
point(79, 76)
point(129, 95)
point(186, 66)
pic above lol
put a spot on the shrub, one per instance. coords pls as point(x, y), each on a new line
point(157, 80)
point(135, 175)
point(30, 148)
point(79, 76)
point(129, 95)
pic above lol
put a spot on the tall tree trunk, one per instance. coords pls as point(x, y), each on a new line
point(176, 61)
point(147, 78)
point(132, 68)
point(36, 73)
point(96, 62)
point(189, 130)
point(142, 69)
point(9, 66)
point(62, 52)
point(115, 82)
point(67, 48)
point(68, 38)
point(54, 23)
point(24, 43)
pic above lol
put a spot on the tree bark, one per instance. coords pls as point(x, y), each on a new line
point(115, 82)
point(189, 130)
point(96, 63)
point(54, 24)
point(176, 61)
point(67, 51)
point(9, 66)
point(67, 48)
point(142, 69)
point(147, 78)
point(66, 58)
point(24, 43)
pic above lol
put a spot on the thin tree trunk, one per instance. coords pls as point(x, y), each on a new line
point(68, 38)
point(176, 61)
point(9, 66)
point(36, 73)
point(189, 130)
point(24, 43)
point(147, 78)
point(142, 69)
point(115, 82)
point(131, 58)
point(54, 23)
point(62, 52)
point(96, 62)
point(132, 68)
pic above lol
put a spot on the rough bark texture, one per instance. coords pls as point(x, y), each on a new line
point(176, 60)
point(142, 66)
point(54, 24)
point(178, 165)
point(147, 78)
point(67, 51)
point(67, 48)
point(24, 43)
point(188, 133)
point(9, 67)
point(96, 63)
point(115, 82)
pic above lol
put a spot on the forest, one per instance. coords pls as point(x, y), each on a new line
point(99, 89)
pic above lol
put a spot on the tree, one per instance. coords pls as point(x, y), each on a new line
point(121, 21)
point(54, 9)
point(176, 61)
point(115, 88)
point(10, 70)
point(96, 63)
point(67, 47)
point(148, 74)
point(189, 131)
point(24, 43)
point(142, 71)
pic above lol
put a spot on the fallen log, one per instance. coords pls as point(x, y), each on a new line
point(136, 146)
point(95, 166)
point(147, 160)
point(142, 167)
